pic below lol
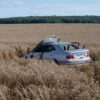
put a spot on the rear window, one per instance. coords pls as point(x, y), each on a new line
point(67, 47)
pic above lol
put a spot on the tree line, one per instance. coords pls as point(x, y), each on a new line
point(50, 19)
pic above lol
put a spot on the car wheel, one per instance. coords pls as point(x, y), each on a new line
point(25, 57)
point(56, 62)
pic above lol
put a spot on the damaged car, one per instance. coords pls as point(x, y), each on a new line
point(60, 52)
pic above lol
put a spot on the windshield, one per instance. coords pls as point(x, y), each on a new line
point(67, 47)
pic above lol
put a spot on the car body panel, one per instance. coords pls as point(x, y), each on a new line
point(60, 54)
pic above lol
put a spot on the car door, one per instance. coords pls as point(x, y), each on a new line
point(38, 52)
point(49, 52)
point(79, 45)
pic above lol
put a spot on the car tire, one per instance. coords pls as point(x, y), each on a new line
point(25, 57)
point(56, 62)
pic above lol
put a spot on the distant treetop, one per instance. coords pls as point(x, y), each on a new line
point(50, 19)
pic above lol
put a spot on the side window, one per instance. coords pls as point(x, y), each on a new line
point(40, 49)
point(62, 47)
point(49, 48)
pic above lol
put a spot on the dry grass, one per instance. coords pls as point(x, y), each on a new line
point(42, 80)
point(33, 79)
point(27, 35)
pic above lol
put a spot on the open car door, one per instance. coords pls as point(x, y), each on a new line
point(79, 45)
point(39, 51)
point(49, 52)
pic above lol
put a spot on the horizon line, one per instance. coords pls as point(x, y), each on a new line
point(50, 16)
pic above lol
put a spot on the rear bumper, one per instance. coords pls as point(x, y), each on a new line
point(76, 61)
point(79, 61)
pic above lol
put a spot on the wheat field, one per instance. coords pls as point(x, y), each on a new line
point(33, 79)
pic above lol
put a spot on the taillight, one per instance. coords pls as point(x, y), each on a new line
point(88, 55)
point(70, 57)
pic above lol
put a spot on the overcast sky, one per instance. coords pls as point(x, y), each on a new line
point(14, 8)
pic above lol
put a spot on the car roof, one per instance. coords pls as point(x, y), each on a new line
point(61, 43)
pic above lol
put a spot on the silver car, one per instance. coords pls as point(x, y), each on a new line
point(60, 52)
